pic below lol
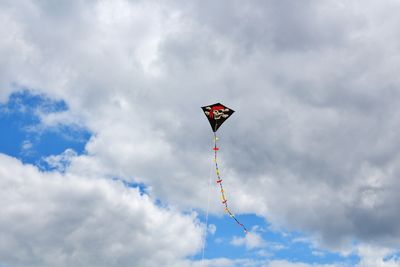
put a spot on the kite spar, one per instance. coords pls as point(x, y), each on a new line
point(216, 115)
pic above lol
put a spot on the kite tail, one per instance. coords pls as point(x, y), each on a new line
point(219, 181)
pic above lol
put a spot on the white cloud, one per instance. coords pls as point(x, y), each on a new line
point(225, 262)
point(284, 263)
point(372, 256)
point(62, 161)
point(50, 219)
point(212, 228)
point(313, 145)
point(26, 147)
point(251, 240)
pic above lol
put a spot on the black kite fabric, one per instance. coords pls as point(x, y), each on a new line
point(217, 114)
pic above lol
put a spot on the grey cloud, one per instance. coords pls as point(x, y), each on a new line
point(314, 85)
point(281, 25)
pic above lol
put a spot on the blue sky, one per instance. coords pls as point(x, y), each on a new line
point(105, 152)
point(23, 136)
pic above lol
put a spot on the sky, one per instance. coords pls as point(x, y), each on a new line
point(106, 155)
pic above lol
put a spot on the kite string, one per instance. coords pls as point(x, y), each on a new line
point(219, 181)
point(207, 212)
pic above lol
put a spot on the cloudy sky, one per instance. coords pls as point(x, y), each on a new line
point(105, 154)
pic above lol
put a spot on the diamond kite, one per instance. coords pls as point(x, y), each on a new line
point(217, 114)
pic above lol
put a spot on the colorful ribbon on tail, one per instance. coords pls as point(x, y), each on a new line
point(217, 114)
point(219, 181)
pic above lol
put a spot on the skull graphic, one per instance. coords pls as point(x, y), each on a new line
point(217, 112)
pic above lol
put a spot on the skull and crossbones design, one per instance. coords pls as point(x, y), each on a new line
point(216, 112)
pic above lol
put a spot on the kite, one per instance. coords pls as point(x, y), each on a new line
point(217, 114)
